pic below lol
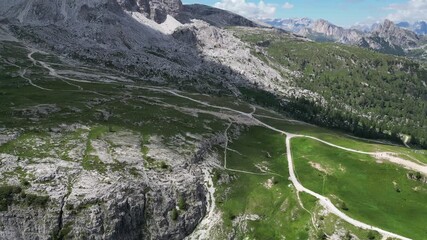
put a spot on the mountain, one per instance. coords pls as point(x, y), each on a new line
point(41, 11)
point(150, 119)
point(214, 16)
point(144, 188)
point(419, 27)
point(366, 28)
point(335, 33)
point(140, 36)
point(289, 24)
point(395, 35)
point(320, 29)
point(385, 37)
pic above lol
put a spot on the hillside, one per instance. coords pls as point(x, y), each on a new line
point(150, 119)
point(385, 37)
point(367, 93)
point(90, 152)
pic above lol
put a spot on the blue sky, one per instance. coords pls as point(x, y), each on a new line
point(341, 12)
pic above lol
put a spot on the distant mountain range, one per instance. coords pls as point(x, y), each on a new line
point(290, 24)
point(419, 27)
point(297, 24)
point(385, 37)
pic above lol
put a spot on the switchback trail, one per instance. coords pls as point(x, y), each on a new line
point(324, 201)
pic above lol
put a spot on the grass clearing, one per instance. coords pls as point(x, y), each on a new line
point(368, 189)
point(248, 194)
point(377, 194)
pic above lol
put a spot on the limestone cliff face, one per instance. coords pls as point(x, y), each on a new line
point(64, 200)
point(46, 11)
point(396, 35)
point(346, 36)
point(153, 9)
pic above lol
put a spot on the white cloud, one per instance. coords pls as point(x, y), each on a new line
point(287, 5)
point(413, 10)
point(248, 9)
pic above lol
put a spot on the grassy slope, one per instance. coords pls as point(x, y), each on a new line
point(128, 109)
point(279, 211)
point(280, 214)
point(387, 87)
point(342, 139)
point(365, 186)
point(276, 206)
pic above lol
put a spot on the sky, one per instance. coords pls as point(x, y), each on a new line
point(345, 13)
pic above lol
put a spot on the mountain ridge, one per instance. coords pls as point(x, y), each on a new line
point(118, 115)
point(419, 27)
point(386, 37)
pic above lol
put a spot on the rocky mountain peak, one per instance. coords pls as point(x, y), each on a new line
point(326, 27)
point(294, 25)
point(396, 35)
point(388, 24)
point(340, 34)
point(386, 36)
point(44, 11)
point(419, 27)
point(153, 9)
point(322, 22)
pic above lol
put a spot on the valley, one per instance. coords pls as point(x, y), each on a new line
point(97, 126)
point(151, 119)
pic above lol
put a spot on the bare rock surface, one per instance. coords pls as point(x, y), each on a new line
point(124, 194)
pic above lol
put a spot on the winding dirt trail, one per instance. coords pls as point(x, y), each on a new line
point(22, 75)
point(384, 155)
point(23, 72)
point(53, 73)
point(237, 170)
point(324, 201)
point(388, 156)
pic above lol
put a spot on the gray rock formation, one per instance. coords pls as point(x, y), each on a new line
point(395, 35)
point(386, 37)
point(121, 193)
point(339, 34)
point(125, 199)
point(121, 34)
point(213, 16)
point(418, 27)
point(47, 11)
point(153, 9)
point(289, 24)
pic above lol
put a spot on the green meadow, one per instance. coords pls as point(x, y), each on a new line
point(379, 194)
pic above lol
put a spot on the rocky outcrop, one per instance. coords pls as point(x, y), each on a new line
point(122, 34)
point(42, 11)
point(395, 35)
point(153, 9)
point(339, 34)
point(223, 48)
point(294, 25)
point(213, 16)
point(120, 197)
